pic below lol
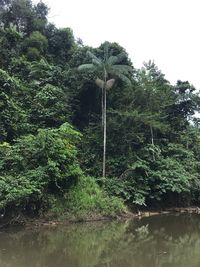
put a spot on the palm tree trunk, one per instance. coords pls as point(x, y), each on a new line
point(104, 125)
point(104, 135)
point(102, 109)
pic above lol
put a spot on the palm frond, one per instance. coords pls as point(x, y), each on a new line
point(109, 64)
point(96, 62)
point(93, 57)
point(116, 59)
point(121, 76)
point(106, 48)
point(124, 79)
point(86, 67)
point(112, 60)
point(121, 57)
point(125, 69)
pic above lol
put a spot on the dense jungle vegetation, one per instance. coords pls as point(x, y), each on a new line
point(56, 97)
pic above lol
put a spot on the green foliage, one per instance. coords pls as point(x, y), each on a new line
point(132, 191)
point(10, 41)
point(33, 54)
point(38, 41)
point(87, 199)
point(23, 15)
point(109, 65)
point(38, 165)
point(153, 137)
point(175, 170)
point(61, 44)
point(50, 107)
point(13, 118)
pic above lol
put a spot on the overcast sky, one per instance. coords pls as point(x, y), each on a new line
point(166, 31)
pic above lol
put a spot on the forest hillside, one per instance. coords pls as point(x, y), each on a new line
point(82, 131)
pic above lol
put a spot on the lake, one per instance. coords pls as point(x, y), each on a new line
point(157, 241)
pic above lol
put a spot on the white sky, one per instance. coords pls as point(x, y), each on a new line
point(166, 31)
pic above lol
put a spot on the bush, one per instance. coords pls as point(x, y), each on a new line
point(36, 166)
point(87, 199)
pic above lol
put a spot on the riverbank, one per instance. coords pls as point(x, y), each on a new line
point(49, 222)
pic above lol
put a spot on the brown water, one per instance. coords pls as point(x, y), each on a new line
point(159, 241)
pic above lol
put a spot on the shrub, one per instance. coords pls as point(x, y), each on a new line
point(36, 166)
point(86, 199)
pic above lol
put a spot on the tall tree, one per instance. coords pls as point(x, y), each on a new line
point(155, 95)
point(23, 15)
point(108, 69)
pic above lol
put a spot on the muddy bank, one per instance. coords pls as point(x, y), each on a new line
point(45, 221)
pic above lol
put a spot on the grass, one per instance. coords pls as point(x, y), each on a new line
point(86, 200)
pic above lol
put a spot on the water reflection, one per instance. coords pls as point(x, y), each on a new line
point(160, 241)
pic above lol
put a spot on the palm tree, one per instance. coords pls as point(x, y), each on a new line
point(107, 67)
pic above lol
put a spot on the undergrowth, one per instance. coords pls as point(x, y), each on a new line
point(86, 200)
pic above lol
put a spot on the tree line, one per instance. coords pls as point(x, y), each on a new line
point(83, 130)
